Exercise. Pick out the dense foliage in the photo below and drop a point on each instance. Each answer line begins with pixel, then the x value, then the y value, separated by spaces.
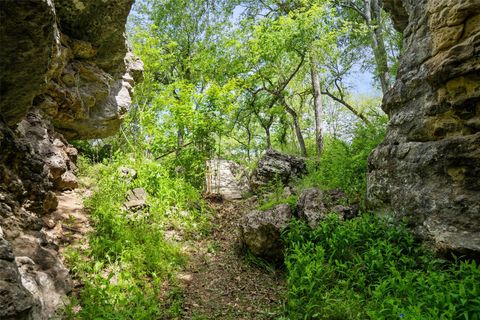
pixel 129 260
pixel 229 79
pixel 343 164
pixel 370 268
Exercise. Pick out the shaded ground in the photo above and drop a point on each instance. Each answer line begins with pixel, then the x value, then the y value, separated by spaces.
pixel 220 283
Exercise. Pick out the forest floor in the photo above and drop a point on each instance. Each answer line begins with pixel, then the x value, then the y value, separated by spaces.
pixel 218 282
pixel 221 283
pixel 69 224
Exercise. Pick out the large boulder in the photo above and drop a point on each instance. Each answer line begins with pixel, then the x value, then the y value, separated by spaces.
pixel 274 166
pixel 260 231
pixel 227 179
pixel 314 205
pixel 427 169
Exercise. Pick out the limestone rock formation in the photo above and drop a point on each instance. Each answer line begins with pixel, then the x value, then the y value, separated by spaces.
pixel 314 205
pixel 227 179
pixel 136 199
pixel 16 302
pixel 65 73
pixel 274 165
pixel 52 147
pixel 260 231
pixel 69 60
pixel 428 167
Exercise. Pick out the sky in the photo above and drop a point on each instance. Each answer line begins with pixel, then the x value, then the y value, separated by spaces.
pixel 361 83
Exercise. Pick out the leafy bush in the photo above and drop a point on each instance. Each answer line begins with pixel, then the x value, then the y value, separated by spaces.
pixel 368 268
pixel 273 195
pixel 344 164
pixel 129 258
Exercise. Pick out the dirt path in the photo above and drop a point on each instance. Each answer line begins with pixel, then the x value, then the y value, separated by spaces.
pixel 69 223
pixel 219 283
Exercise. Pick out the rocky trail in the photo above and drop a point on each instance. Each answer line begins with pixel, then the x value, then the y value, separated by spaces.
pixel 219 282
pixel 69 223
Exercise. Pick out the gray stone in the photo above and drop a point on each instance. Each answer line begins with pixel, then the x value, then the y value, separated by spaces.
pixel 274 166
pixel 314 205
pixel 68 181
pixel 59 155
pixel 65 68
pixel 136 199
pixel 127 173
pixel 427 169
pixel 260 231
pixel 16 302
pixel 72 62
pixel 227 179
pixel 27 33
pixel 42 274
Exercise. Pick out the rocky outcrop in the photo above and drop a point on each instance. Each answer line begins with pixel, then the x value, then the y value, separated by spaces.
pixel 275 166
pixel 65 73
pixel 314 205
pixel 56 152
pixel 428 167
pixel 16 301
pixel 68 60
pixel 227 179
pixel 260 231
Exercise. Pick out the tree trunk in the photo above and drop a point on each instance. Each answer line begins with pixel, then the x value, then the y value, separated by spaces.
pixel 373 16
pixel 249 141
pixel 269 140
pixel 296 125
pixel 317 103
pixel 179 141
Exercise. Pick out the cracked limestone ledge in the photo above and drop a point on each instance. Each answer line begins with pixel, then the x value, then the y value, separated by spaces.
pixel 66 72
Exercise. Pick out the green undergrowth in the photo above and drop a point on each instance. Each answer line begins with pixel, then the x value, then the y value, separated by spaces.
pixel 370 268
pixel 274 194
pixel 343 164
pixel 128 270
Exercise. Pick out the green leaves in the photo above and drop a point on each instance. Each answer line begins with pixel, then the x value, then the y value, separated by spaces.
pixel 129 257
pixel 368 268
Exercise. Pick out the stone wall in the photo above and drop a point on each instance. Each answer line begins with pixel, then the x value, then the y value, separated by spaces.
pixel 66 72
pixel 428 167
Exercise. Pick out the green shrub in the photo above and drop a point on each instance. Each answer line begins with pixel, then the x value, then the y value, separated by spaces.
pixel 273 195
pixel 369 268
pixel 128 257
pixel 343 164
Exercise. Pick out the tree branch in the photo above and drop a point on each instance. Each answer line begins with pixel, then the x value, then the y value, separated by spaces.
pixel 173 150
pixel 346 104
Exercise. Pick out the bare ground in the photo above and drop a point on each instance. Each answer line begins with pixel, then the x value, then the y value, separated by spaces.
pixel 69 223
pixel 220 283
